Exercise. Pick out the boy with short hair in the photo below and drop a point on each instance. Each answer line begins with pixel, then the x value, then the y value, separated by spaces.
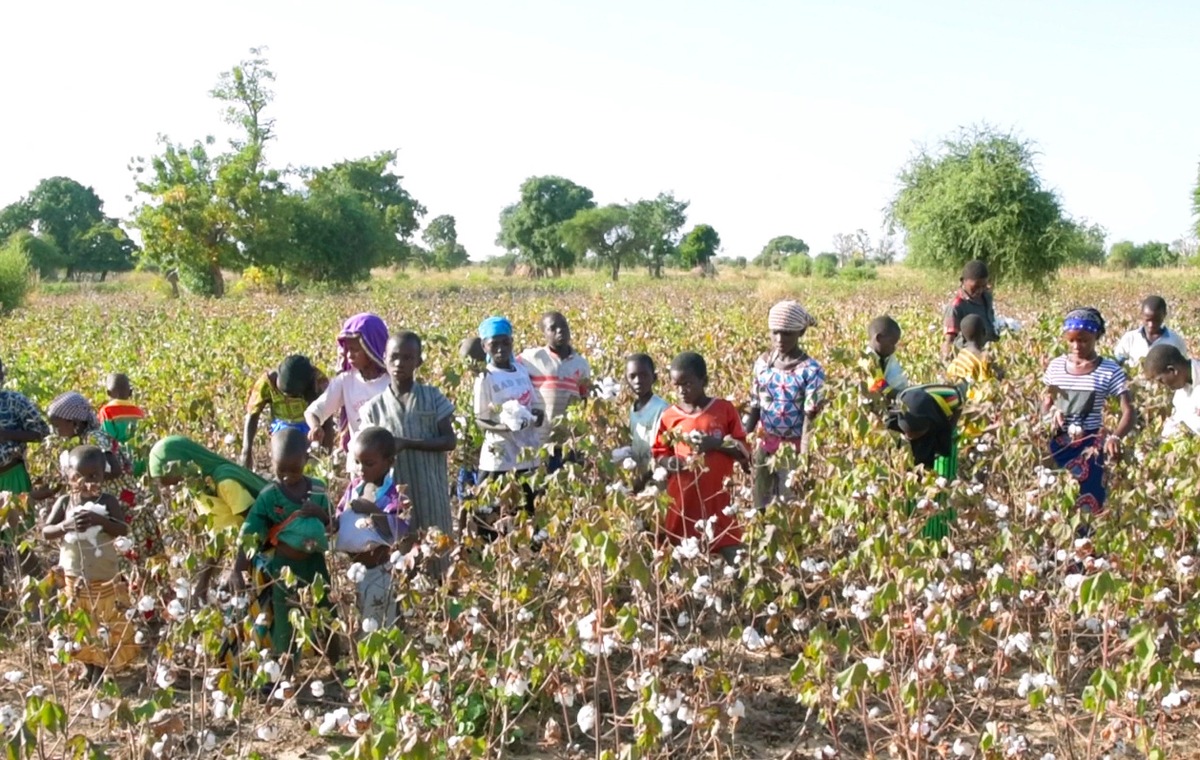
pixel 1136 344
pixel 883 334
pixel 119 418
pixel 648 407
pixel 973 363
pixel 1166 365
pixel 973 297
pixel 560 376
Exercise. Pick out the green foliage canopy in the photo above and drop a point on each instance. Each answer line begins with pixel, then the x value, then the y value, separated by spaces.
pixel 699 246
pixel 531 226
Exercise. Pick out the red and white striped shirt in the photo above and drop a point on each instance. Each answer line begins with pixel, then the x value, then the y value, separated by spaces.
pixel 557 381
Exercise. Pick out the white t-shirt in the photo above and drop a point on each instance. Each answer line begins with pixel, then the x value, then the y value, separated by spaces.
pixel 348 391
pixel 1133 346
pixel 1185 411
pixel 508 450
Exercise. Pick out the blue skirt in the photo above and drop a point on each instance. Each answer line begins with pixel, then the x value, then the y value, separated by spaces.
pixel 1084 459
pixel 278 424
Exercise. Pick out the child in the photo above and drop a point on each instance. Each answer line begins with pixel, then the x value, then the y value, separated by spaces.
pixel 287 391
pixel 422 421
pixel 1077 385
pixel 72 417
pixel 1166 365
pixel 560 377
pixel 786 395
pixel 119 418
pixel 648 407
pixel 90 569
pixel 887 375
pixel 362 377
pixel 505 411
pixel 1135 344
pixel 471 349
pixel 973 363
pixel 973 297
pixel 373 496
pixel 21 423
pixel 288 524
pixel 707 429
pixel 927 416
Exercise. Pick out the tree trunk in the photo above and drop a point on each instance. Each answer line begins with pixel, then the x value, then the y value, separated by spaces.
pixel 218 280
pixel 616 269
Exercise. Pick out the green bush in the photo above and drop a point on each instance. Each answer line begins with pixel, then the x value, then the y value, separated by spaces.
pixel 858 273
pixel 825 265
pixel 16 276
pixel 798 265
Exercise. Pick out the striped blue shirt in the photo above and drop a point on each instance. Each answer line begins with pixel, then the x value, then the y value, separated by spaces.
pixel 1081 397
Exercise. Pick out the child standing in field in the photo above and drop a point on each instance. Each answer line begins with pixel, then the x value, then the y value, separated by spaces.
pixel 288 523
pixel 370 523
pixel 560 377
pixel 506 411
pixel 287 392
pixel 88 521
pixel 699 441
pixel 786 395
pixel 647 410
pixel 973 363
pixel 883 335
pixel 974 296
pixel 1135 344
pixel 422 421
pixel 119 418
pixel 362 377
pixel 1077 387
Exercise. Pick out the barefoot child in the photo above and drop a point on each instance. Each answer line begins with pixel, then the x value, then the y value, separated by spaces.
pixel 560 377
pixel 647 410
pixel 888 378
pixel 288 524
pixel 973 363
pixel 699 441
pixel 287 392
pixel 1166 365
pixel 362 377
pixel 87 521
pixel 1135 344
pixel 973 297
pixel 422 421
pixel 786 395
pixel 370 524
pixel 1077 386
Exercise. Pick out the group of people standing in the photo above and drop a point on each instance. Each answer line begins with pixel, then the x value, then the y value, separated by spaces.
pixel 397 431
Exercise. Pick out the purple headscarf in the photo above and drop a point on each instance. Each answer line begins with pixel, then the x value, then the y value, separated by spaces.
pixel 371 332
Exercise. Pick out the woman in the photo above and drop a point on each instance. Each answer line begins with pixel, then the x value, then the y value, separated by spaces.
pixel 21 423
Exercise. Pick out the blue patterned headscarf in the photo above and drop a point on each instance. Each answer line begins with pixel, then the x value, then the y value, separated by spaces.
pixel 1086 319
pixel 493 326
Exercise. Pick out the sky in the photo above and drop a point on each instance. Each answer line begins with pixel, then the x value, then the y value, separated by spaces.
pixel 771 118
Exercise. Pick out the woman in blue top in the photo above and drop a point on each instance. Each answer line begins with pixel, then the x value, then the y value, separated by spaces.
pixel 1077 385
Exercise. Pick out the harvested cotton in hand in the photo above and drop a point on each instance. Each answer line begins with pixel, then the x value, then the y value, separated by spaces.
pixel 514 416
pixel 92 534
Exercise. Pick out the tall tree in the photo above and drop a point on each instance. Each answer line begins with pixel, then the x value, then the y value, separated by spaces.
pixel 779 249
pixel 604 232
pixel 71 216
pixel 656 223
pixel 1125 256
pixel 441 235
pixel 531 226
pixel 699 246
pixel 1084 245
pixel 979 196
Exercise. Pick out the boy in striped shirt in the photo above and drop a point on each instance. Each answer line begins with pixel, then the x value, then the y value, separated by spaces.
pixel 560 377
pixel 973 363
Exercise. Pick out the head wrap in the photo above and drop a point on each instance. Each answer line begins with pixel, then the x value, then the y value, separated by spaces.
pixel 296 376
pixel 177 449
pixel 493 326
pixel 370 331
pixel 789 316
pixel 72 406
pixel 1086 319
pixel 930 412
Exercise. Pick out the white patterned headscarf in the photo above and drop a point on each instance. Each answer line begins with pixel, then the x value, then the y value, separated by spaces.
pixel 789 316
pixel 72 406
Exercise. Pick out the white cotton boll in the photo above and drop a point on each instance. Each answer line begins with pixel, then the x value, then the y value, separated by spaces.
pixel 565 696
pixel 369 625
pixel 586 626
pixel 1177 698
pixel 356 572
pixel 230 439
pixel 516 686
pixel 660 474
pixel 220 710
pixel 621 453
pixel 1185 565
pixel 751 639
pixel 586 718
pixel 685 619
pixel 982 683
pixel 629 464
pixel 146 604
pixel 1162 595
pixel 158 748
pixel 695 656
pixel 267 732
pixel 14 676
pixel 272 670
pixel 208 741
pixel 176 609
pixel 524 615
pixel 363 523
pixel 737 709
pixel 961 748
pixel 689 548
pixel 875 665
pixel 1073 581
pixel 101 710
pixel 122 544
pixel 329 724
pixel 164 677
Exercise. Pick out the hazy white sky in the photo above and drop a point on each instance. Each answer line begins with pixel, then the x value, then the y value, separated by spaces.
pixel 772 118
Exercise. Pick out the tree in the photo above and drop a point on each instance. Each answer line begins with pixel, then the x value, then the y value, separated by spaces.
pixel 604 232
pixel 530 227
pixel 885 250
pixel 1084 244
pixel 15 280
pixel 71 218
pixel 337 236
pixel 1186 248
pixel 39 250
pixel 441 236
pixel 980 197
pixel 656 224
pixel 699 246
pixel 778 250
pixel 1125 256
